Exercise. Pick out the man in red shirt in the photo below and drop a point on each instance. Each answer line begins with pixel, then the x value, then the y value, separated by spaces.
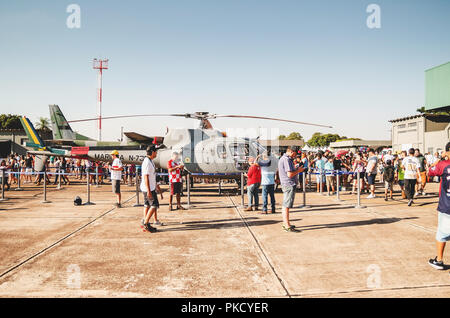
pixel 175 168
pixel 441 168
pixel 253 183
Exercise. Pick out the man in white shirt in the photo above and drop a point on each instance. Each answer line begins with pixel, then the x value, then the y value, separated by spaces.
pixel 388 156
pixel 116 175
pixel 411 166
pixel 371 171
pixel 149 187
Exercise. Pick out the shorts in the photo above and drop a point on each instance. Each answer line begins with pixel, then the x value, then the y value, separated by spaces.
pixel 443 229
pixel 401 183
pixel 423 175
pixel 28 171
pixel 115 186
pixel 153 202
pixel 371 178
pixel 389 185
pixel 176 188
pixel 329 180
pixel 288 196
pixel 318 176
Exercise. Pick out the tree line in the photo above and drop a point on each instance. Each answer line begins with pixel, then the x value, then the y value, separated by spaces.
pixel 318 139
pixel 9 121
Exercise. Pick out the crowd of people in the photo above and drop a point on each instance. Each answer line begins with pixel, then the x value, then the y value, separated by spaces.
pixel 409 170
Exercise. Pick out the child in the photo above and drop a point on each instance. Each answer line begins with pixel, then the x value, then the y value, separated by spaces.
pixel 329 167
pixel 389 176
pixel 400 177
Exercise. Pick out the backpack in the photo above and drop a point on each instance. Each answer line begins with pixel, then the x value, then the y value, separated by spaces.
pixel 77 201
pixel 389 173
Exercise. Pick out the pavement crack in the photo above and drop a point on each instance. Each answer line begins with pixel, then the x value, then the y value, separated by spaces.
pixel 261 250
pixel 59 240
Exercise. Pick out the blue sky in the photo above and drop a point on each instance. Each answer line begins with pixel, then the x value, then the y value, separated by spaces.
pixel 312 61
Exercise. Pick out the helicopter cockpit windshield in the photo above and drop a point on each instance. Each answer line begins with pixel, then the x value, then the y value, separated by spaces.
pixel 240 151
pixel 259 149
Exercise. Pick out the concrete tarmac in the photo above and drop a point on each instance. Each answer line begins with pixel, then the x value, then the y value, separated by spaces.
pixel 215 249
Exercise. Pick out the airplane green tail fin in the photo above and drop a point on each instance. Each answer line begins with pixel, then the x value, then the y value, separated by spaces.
pixel 61 128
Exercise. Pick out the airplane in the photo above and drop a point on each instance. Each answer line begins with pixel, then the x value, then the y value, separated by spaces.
pixel 203 150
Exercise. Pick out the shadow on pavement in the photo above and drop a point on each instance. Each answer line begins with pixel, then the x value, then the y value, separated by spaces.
pixel 353 223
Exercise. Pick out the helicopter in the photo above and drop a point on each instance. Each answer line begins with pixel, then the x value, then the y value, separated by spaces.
pixel 203 150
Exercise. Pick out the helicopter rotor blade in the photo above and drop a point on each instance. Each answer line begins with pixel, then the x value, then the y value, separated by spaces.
pixel 269 118
pixel 200 116
pixel 129 116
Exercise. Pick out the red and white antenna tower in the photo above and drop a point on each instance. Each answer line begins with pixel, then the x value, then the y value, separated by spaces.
pixel 100 65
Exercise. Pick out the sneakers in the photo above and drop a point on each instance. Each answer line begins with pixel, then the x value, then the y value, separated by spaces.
pixel 118 205
pixel 416 194
pixel 435 264
pixel 290 229
pixel 157 223
pixel 150 228
pixel 249 209
pixel 410 202
pixel 371 196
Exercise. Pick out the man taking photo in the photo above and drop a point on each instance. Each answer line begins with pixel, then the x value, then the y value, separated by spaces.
pixel 288 178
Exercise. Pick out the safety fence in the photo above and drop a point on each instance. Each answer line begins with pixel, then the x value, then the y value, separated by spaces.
pixel 95 173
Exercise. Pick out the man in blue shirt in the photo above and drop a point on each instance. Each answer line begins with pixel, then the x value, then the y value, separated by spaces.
pixel 268 172
pixel 289 178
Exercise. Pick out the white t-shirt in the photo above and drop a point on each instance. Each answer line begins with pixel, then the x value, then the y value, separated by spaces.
pixel 411 165
pixel 148 168
pixel 116 175
pixel 388 157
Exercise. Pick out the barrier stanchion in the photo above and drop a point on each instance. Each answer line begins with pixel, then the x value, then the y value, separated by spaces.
pixel 309 178
pixel 188 180
pixel 96 178
pixel 358 199
pixel 321 182
pixel 88 188
pixel 242 190
pixel 303 206
pixel 59 178
pixel 3 186
pixel 45 187
pixel 137 192
pixel 18 181
pixel 328 184
pixel 337 186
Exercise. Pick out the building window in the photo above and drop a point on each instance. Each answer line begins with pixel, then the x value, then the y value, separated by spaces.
pixel 401 126
pixel 412 124
pixel 406 131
